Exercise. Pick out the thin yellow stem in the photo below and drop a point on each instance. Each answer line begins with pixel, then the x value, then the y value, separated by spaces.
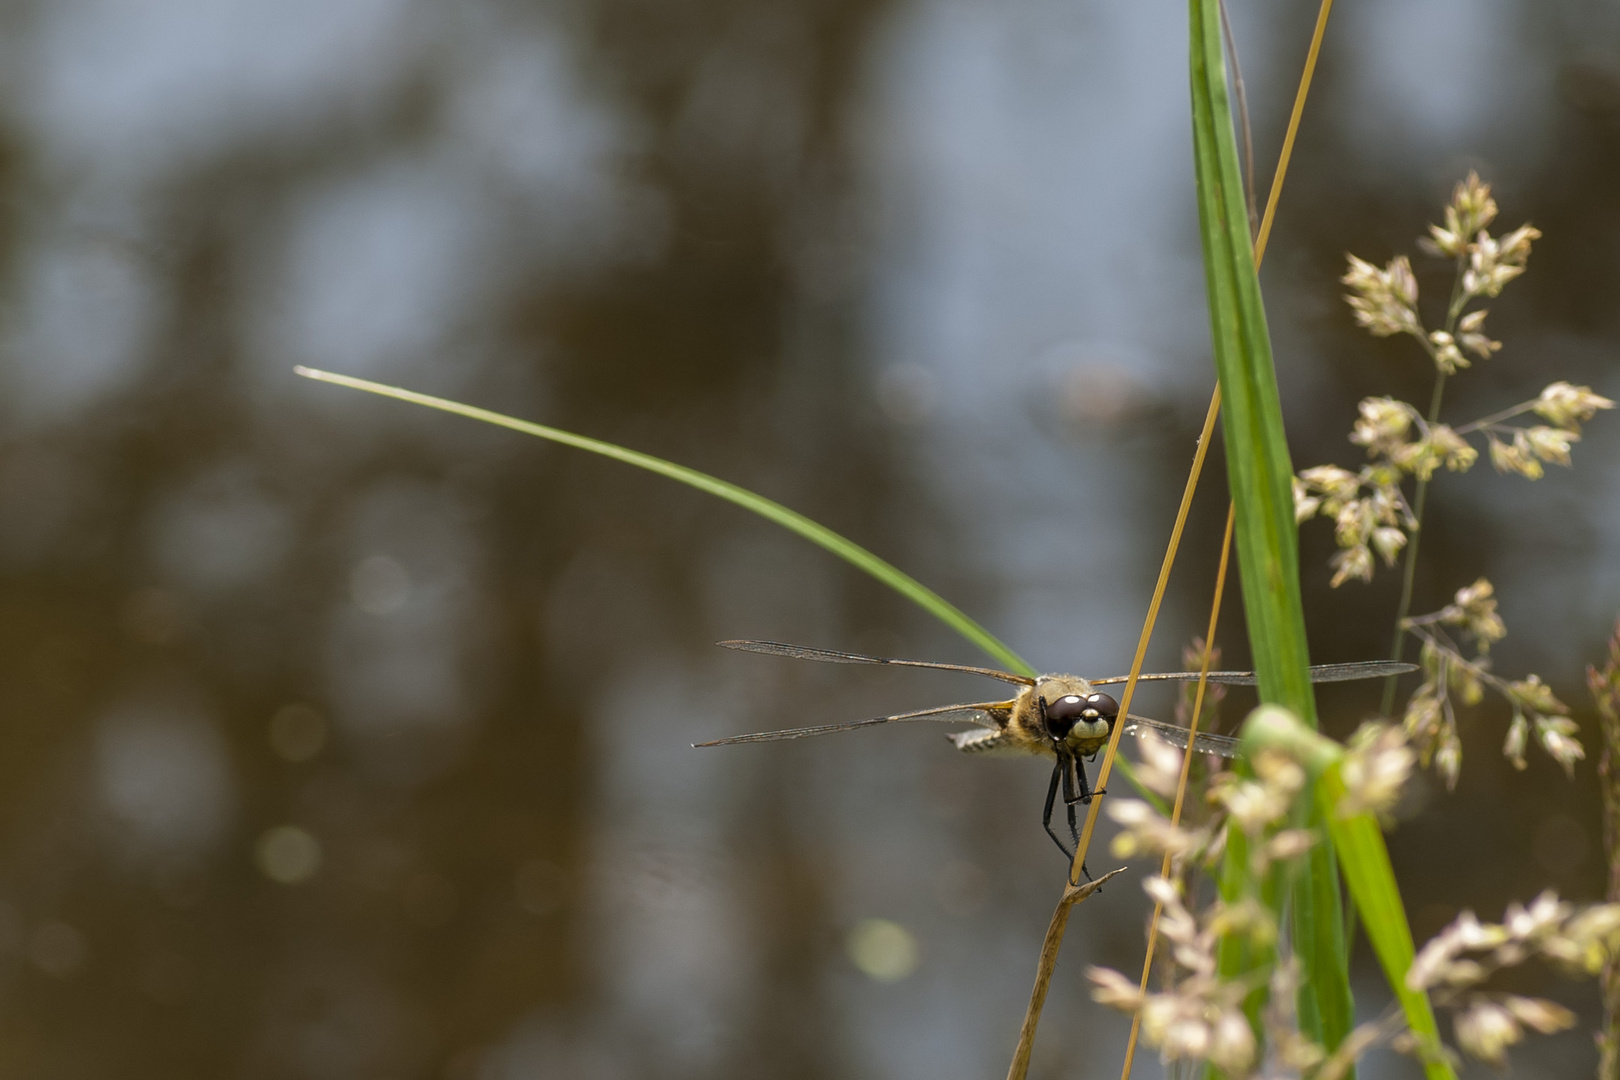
pixel 1220 578
pixel 1060 917
pixel 1147 631
pixel 1293 131
pixel 1186 771
pixel 1026 1035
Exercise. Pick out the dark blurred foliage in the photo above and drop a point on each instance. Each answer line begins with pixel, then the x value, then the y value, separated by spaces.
pixel 349 740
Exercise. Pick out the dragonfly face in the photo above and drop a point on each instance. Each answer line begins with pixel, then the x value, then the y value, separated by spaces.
pixel 1081 722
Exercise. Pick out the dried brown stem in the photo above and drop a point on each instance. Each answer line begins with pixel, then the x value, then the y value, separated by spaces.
pixel 1605 686
pixel 1072 895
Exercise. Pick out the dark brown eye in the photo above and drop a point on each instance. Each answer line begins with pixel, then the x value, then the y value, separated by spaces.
pixel 1069 707
pixel 1106 706
pixel 1062 714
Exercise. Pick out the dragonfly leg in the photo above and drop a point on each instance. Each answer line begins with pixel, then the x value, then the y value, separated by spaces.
pixel 1058 773
pixel 1071 769
pixel 1085 793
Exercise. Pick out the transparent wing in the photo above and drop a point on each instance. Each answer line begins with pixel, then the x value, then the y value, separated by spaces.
pixel 975 712
pixel 832 656
pixel 1176 735
pixel 1365 669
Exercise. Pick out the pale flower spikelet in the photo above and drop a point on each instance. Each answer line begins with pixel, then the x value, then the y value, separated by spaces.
pixel 1567 406
pixel 1430 719
pixel 1197 1014
pixel 1455 964
pixel 1384 300
pixel 1376 766
pixel 1373 520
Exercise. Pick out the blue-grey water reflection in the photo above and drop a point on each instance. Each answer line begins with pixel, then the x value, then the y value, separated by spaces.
pixel 350 740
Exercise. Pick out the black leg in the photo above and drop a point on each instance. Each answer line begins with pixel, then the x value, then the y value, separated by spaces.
pixel 1085 788
pixel 1059 772
pixel 1072 768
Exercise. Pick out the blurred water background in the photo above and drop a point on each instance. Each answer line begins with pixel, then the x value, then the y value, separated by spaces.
pixel 345 739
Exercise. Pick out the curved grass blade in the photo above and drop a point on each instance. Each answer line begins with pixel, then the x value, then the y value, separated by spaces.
pixel 817 534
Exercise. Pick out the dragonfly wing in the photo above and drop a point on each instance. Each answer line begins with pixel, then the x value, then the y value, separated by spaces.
pixel 1365 669
pixel 983 713
pixel 1176 735
pixel 833 656
pixel 1321 673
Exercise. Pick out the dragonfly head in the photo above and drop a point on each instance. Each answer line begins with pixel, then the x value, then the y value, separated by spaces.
pixel 1080 718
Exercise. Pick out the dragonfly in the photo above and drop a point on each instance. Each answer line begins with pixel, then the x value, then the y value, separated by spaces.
pixel 1063 717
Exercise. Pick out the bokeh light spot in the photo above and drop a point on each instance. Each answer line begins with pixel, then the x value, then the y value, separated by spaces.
pixel 883 949
pixel 288 855
pixel 164 775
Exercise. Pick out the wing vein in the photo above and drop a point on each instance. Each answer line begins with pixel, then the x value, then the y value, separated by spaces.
pixel 941 713
pixel 1204 743
pixel 833 656
pixel 1321 673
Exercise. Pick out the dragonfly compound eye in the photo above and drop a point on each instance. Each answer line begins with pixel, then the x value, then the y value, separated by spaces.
pixel 1062 714
pixel 1106 706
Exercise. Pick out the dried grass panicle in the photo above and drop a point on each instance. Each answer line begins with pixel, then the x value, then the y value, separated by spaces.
pixel 1377 763
pixel 1384 300
pixel 1375 520
pixel 1144 829
pixel 1579 939
pixel 1192 659
pixel 1198 1014
pixel 1399 439
pixel 1430 717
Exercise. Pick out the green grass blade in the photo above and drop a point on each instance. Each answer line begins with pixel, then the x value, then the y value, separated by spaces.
pixel 1260 475
pixel 820 535
pixel 1259 467
pixel 845 549
pixel 1362 853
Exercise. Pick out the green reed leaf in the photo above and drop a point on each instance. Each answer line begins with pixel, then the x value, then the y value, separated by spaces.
pixel 1260 474
pixel 817 534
